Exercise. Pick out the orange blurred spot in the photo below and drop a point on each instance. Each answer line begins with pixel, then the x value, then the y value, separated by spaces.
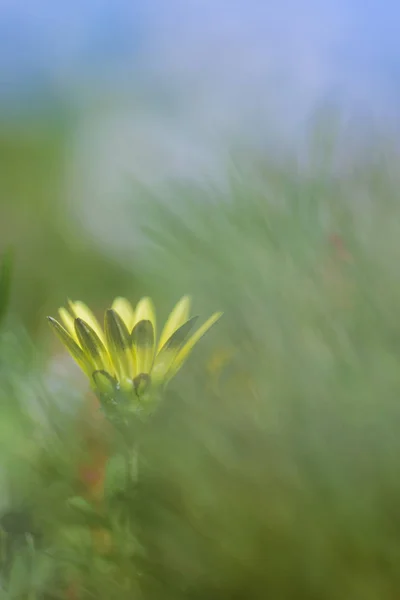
pixel 94 433
pixel 338 244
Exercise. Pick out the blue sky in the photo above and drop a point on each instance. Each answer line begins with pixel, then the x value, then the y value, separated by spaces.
pixel 227 55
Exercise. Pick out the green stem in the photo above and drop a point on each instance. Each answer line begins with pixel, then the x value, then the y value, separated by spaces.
pixel 132 465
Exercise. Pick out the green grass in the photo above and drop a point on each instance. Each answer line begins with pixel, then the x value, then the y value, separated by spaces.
pixel 281 480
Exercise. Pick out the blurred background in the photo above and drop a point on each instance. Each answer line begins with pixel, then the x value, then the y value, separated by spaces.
pixel 245 152
pixel 104 104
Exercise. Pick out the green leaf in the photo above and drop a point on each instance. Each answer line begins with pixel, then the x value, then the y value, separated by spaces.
pixel 42 571
pixel 18 582
pixel 85 513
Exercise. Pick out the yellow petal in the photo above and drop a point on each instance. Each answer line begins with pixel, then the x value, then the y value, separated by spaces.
pixel 75 351
pixel 177 317
pixel 192 341
pixel 145 312
pixel 125 310
pixel 168 352
pixel 143 345
pixel 68 321
pixel 119 344
pixel 81 311
pixel 92 345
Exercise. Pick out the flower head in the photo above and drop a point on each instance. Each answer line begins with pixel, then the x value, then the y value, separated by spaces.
pixel 126 354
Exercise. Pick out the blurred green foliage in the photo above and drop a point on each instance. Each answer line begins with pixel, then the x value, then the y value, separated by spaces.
pixel 54 258
pixel 5 283
pixel 277 477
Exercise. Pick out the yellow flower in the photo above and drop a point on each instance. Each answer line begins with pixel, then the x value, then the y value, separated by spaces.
pixel 126 354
